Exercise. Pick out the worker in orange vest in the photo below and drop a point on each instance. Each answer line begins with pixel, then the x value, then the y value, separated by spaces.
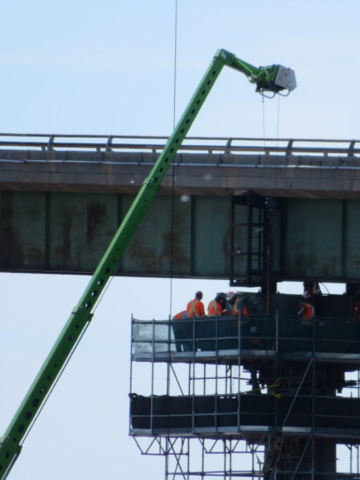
pixel 239 308
pixel 306 310
pixel 195 308
pixel 313 289
pixel 356 307
pixel 236 305
pixel 216 307
pixel 182 332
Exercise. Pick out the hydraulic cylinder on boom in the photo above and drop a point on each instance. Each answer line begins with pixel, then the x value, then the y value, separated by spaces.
pixel 273 79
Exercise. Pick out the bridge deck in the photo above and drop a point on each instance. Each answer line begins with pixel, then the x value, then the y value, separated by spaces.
pixel 302 168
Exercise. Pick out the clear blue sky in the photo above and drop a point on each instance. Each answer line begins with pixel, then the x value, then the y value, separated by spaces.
pixel 107 67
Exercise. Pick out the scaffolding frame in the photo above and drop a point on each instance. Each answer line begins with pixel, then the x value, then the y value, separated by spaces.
pixel 279 451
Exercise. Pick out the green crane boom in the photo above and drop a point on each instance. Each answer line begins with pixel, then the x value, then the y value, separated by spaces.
pixel 267 79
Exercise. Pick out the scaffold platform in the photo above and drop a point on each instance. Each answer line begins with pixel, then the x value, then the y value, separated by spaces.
pixel 226 340
pixel 282 389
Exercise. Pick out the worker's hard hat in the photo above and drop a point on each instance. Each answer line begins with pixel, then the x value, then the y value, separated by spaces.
pixel 230 295
pixel 199 294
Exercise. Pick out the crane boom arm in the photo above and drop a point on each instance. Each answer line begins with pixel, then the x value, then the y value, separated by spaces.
pixel 10 443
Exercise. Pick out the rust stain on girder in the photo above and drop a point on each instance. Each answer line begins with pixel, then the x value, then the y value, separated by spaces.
pixel 66 238
pixel 174 250
pixel 149 260
pixel 35 257
pixel 95 217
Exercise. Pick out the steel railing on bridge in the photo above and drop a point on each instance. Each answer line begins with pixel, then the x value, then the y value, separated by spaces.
pixel 154 144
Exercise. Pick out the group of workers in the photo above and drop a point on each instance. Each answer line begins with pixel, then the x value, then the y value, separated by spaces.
pixel 229 304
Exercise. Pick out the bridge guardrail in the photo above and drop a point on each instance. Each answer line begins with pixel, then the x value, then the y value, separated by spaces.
pixel 154 144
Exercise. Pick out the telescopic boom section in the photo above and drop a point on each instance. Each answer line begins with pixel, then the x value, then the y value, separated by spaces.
pixel 10 443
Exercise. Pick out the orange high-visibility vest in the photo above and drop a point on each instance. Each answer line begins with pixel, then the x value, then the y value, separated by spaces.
pixel 308 313
pixel 195 308
pixel 235 310
pixel 180 316
pixel 215 308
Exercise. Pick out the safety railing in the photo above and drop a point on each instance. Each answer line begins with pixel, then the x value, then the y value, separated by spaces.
pixel 267 333
pixel 251 412
pixel 154 144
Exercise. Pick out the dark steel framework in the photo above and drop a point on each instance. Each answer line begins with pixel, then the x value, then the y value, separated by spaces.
pixel 256 231
pixel 269 397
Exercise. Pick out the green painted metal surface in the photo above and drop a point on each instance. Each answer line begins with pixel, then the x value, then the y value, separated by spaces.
pixel 10 443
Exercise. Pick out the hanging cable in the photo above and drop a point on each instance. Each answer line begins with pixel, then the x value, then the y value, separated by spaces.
pixel 172 234
pixel 55 383
pixel 82 333
pixel 323 284
pixel 277 140
pixel 278 122
pixel 175 66
pixel 172 208
pixel 263 114
pixel 173 167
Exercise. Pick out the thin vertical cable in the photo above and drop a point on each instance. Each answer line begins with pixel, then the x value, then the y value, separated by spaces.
pixel 172 234
pixel 175 66
pixel 173 166
pixel 263 113
pixel 278 122
pixel 277 140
